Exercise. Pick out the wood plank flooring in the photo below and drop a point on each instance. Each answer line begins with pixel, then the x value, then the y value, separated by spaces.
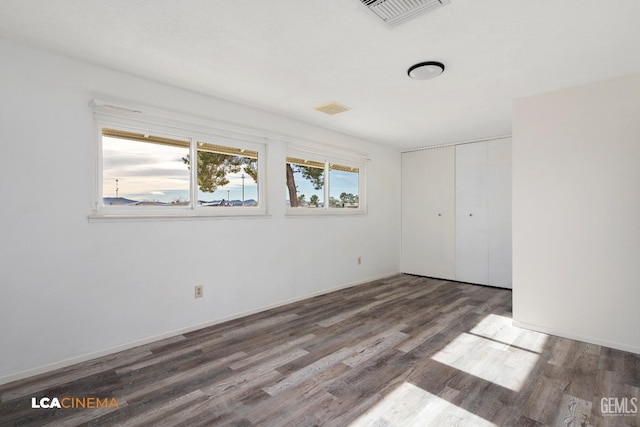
pixel 403 351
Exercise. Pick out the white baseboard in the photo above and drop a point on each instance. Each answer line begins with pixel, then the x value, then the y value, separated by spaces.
pixel 126 346
pixel 590 340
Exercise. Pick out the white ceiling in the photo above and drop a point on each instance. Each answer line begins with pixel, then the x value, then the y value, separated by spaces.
pixel 290 55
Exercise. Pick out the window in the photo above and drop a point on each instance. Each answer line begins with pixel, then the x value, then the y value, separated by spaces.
pixel 322 186
pixel 144 169
pixel 227 169
pixel 344 190
pixel 147 170
pixel 305 183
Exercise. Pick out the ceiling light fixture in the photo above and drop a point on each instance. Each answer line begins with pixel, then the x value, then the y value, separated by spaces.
pixel 426 70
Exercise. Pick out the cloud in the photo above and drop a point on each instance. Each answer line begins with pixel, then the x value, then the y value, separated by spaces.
pixel 148 171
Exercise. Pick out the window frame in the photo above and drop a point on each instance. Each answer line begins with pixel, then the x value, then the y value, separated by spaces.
pixel 329 159
pixel 135 121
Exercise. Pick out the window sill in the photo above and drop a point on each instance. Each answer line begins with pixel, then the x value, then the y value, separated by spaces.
pixel 180 216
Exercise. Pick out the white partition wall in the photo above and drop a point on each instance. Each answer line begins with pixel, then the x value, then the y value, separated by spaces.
pixel 576 212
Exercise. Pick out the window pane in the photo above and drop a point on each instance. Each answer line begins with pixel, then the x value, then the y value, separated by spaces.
pixel 227 176
pixel 343 186
pixel 305 183
pixel 144 170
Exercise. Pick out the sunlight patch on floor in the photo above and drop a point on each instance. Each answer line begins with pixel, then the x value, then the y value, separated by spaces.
pixel 409 405
pixel 495 351
pixel 500 328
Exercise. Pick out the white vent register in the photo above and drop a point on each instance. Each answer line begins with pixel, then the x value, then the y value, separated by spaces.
pixel 395 12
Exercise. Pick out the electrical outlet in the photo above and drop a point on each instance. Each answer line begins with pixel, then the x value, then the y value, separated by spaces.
pixel 198 291
pixel 359 260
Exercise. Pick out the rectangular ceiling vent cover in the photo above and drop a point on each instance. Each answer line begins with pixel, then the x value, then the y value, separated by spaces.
pixel 395 12
pixel 332 108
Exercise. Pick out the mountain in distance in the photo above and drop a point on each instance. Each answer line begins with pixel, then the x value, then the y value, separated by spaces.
pixel 117 201
pixel 248 202
pixel 122 201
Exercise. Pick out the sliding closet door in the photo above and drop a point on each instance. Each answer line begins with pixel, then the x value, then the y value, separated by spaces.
pixel 472 227
pixel 456 213
pixel 428 213
pixel 499 159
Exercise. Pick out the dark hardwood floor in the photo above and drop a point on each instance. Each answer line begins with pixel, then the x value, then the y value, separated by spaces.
pixel 401 351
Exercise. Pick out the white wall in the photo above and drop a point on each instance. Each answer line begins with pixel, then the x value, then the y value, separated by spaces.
pixel 576 213
pixel 72 288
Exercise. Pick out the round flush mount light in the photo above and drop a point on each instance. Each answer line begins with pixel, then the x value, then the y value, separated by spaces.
pixel 426 70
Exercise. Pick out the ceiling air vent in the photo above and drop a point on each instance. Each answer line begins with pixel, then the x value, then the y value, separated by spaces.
pixel 395 12
pixel 332 108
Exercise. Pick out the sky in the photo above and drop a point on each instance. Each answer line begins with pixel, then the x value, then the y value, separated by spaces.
pixel 154 172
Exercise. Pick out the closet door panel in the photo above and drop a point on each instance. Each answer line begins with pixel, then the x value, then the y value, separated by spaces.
pixel 499 160
pixel 472 240
pixel 414 230
pixel 428 213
